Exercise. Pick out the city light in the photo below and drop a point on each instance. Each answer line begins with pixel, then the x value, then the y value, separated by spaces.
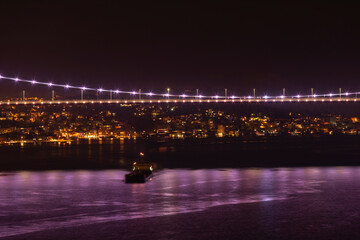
pixel 273 129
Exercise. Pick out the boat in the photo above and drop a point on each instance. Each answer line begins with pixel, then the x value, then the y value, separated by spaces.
pixel 141 172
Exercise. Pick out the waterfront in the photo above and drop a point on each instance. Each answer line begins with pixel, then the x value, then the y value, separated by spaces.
pixel 62 123
pixel 282 203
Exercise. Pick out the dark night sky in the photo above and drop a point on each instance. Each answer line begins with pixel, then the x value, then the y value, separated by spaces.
pixel 182 45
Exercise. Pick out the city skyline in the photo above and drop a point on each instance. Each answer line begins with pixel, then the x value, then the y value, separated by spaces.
pixel 63 123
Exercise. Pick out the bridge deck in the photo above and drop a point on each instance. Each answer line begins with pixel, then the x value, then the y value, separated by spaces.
pixel 138 101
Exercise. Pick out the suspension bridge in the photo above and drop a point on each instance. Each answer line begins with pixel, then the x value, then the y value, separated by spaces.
pixel 137 97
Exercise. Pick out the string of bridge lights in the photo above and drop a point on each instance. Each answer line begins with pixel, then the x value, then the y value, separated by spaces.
pixel 117 91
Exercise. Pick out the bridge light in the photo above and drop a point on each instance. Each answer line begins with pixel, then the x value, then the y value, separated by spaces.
pixel 1 76
pixel 167 93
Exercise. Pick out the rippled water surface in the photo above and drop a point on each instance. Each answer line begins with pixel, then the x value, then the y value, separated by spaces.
pixel 36 201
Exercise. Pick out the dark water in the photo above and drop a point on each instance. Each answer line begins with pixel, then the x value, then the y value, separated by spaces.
pixel 225 153
pixel 45 204
pixel 197 192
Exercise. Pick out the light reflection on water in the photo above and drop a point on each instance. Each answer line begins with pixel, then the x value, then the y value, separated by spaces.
pixel 35 201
